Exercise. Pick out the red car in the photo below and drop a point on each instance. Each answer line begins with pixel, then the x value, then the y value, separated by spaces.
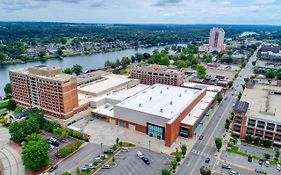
pixel 56 154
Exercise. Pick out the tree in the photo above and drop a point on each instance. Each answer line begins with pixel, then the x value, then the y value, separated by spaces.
pixel 180 64
pixel 35 154
pixel 218 142
pixel 267 143
pixel 205 171
pixel 178 157
pixel 139 57
pixel 19 109
pixel 125 61
pixel 165 171
pixel 133 59
pixel 77 69
pixel 174 164
pixel 67 71
pixel 107 64
pixel 146 56
pixel 165 61
pixel 257 140
pixel 248 139
pixel 239 95
pixel 8 89
pixel 117 63
pixel 277 154
pixel 270 73
pixel 60 52
pixel 11 105
pixel 220 98
pixel 278 76
pixel 183 149
pixel 66 173
pixel 42 53
pixel 267 156
pixel 201 72
pixel 227 124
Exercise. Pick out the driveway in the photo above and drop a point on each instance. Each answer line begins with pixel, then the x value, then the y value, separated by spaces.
pixel 128 163
pixel 10 157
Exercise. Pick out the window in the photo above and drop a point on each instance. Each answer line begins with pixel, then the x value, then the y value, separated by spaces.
pixel 155 131
pixel 184 132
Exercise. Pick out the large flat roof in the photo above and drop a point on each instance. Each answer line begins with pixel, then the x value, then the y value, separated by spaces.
pixel 203 86
pixel 161 100
pixel 264 102
pixel 192 117
pixel 109 82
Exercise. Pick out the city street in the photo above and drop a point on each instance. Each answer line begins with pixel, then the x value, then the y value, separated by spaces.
pixel 215 128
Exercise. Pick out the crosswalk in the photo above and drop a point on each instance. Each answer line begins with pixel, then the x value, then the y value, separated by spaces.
pixel 200 153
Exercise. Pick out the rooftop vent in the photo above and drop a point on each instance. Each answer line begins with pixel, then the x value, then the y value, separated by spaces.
pixel 167 87
pixel 139 105
pixel 150 98
pixel 171 102
pixel 180 95
pixel 185 91
pixel 161 110
pixel 161 92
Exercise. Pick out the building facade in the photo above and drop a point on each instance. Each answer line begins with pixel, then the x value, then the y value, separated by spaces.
pixel 216 40
pixel 152 74
pixel 47 88
pixel 259 116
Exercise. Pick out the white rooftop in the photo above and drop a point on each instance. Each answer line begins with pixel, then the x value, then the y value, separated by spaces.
pixel 107 83
pixel 192 117
pixel 203 86
pixel 162 100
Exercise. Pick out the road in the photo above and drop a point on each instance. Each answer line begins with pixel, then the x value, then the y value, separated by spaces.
pixel 10 158
pixel 215 128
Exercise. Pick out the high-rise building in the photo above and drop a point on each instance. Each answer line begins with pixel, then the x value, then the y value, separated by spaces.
pixel 152 74
pixel 45 87
pixel 216 40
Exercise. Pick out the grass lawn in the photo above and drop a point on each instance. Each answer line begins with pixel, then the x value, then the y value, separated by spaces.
pixel 3 104
pixel 128 144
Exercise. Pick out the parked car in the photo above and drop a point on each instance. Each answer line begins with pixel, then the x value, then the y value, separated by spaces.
pixel 225 166
pixel 85 169
pixel 106 166
pixel 140 155
pixel 109 151
pixel 91 166
pixel 146 160
pixel 98 159
pixel 51 146
pixel 250 158
pixel 233 172
pixel 207 160
pixel 266 163
pixel 54 143
pixel 278 167
pixel 201 137
pixel 125 149
pixel 53 168
pixel 56 154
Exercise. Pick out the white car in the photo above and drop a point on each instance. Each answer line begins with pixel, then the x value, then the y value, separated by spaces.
pixel 51 146
pixel 233 172
pixel 278 167
pixel 125 149
pixel 266 163
pixel 140 155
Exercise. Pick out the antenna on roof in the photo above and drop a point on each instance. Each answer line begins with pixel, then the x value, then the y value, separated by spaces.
pixel 140 105
pixel 161 110
pixel 171 102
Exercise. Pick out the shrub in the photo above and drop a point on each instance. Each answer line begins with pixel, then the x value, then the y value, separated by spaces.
pixel 174 164
pixel 165 172
pixel 267 156
pixel 3 120
pixel 178 157
pixel 68 149
pixel 248 139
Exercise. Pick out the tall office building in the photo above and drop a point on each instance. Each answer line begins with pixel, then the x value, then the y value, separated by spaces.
pixel 216 40
pixel 45 87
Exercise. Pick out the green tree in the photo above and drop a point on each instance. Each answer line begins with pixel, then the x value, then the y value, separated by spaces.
pixel 270 73
pixel 218 142
pixel 67 71
pixel 220 98
pixel 227 124
pixel 180 64
pixel 165 171
pixel 165 61
pixel 125 61
pixel 2 56
pixel 248 139
pixel 267 143
pixel 107 64
pixel 146 56
pixel 178 157
pixel 183 149
pixel 278 76
pixel 19 109
pixel 66 173
pixel 11 105
pixel 267 156
pixel 42 53
pixel 277 154
pixel 35 154
pixel 8 89
pixel 77 69
pixel 133 59
pixel 117 63
pixel 201 72
pixel 239 95
pixel 174 164
pixel 257 140
pixel 60 52
pixel 139 57
pixel 205 171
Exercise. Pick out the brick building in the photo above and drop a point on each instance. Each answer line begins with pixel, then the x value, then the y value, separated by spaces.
pixel 258 114
pixel 45 87
pixel 152 74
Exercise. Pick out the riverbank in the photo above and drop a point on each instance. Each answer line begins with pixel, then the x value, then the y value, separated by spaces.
pixel 64 55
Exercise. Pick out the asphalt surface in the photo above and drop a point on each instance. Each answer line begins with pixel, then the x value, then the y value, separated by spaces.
pixel 10 158
pixel 215 128
pixel 128 163
pixel 81 158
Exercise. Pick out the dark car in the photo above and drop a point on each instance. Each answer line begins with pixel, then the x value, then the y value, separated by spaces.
pixel 146 160
pixel 53 168
pixel 207 160
pixel 54 143
pixel 201 137
pixel 109 151
pixel 250 159
pixel 225 166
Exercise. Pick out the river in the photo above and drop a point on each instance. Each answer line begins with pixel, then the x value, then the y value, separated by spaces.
pixel 86 61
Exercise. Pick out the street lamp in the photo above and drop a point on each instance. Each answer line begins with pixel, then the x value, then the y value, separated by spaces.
pixel 149 145
pixel 101 148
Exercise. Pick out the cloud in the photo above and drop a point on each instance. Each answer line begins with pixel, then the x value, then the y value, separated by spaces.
pixel 167 2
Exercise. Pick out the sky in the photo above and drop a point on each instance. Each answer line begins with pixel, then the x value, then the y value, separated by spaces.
pixel 144 11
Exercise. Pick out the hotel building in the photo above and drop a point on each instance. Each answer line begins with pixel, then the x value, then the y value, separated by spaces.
pixel 45 87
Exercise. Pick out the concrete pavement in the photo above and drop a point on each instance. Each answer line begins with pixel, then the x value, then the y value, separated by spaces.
pixel 10 157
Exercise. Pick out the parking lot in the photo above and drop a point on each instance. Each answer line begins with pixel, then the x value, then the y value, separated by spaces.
pixel 81 158
pixel 129 163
